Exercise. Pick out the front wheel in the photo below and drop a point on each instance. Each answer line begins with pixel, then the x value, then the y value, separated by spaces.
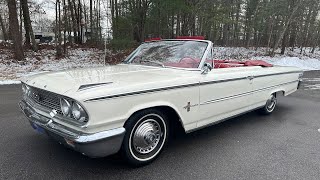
pixel 147 133
pixel 270 105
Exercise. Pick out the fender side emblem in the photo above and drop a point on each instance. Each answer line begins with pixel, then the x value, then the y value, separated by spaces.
pixel 187 107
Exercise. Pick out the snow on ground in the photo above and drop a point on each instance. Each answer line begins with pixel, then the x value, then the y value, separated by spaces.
pixel 306 60
pixel 306 64
pixel 44 60
pixel 4 82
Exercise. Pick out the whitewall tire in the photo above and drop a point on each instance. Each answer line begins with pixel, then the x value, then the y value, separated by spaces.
pixel 270 105
pixel 146 135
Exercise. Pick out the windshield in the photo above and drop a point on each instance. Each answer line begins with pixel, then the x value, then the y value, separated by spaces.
pixel 183 54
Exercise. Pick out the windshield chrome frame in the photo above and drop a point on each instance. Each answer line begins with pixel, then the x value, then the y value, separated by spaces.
pixel 202 61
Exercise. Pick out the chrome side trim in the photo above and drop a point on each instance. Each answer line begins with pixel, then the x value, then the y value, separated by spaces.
pixel 244 94
pixel 222 81
pixel 274 74
pixel 142 92
pixel 181 86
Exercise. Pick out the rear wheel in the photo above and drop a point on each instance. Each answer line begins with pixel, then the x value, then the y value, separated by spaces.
pixel 270 105
pixel 146 135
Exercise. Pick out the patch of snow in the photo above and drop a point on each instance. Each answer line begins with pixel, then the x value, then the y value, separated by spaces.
pixel 45 60
pixel 304 60
pixel 6 82
pixel 305 64
pixel 33 73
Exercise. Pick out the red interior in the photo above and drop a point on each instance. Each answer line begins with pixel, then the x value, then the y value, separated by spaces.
pixel 186 62
pixel 153 39
pixel 194 63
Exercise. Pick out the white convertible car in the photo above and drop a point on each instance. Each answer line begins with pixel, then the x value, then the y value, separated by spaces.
pixel 130 107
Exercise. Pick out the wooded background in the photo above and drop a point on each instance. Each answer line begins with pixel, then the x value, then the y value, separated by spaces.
pixel 123 23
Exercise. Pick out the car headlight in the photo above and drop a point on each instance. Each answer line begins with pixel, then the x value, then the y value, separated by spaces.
pixel 78 112
pixel 65 107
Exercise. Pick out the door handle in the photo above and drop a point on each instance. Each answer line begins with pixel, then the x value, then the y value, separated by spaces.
pixel 250 77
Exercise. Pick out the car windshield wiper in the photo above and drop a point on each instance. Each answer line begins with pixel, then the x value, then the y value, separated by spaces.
pixel 154 62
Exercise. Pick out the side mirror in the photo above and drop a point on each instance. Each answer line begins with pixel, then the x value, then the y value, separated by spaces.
pixel 206 68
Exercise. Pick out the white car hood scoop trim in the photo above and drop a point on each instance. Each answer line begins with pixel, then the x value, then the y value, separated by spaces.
pixel 94 85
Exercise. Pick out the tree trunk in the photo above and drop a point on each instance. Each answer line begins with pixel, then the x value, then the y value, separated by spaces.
pixel 178 25
pixel 14 28
pixel 91 21
pixel 28 26
pixel 77 22
pixel 113 22
pixel 284 43
pixel 80 19
pixel 236 24
pixel 74 23
pixel 4 31
pixel 305 30
pixel 58 22
pixel 21 22
pixel 315 42
pixel 225 35
pixel 64 28
pixel 250 24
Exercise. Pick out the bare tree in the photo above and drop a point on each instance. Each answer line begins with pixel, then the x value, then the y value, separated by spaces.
pixel 14 27
pixel 28 26
pixel 4 31
pixel 58 29
pixel 91 20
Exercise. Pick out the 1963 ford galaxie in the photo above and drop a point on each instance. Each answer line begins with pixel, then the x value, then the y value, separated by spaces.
pixel 130 107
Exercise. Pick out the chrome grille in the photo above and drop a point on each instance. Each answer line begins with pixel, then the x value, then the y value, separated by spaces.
pixel 46 99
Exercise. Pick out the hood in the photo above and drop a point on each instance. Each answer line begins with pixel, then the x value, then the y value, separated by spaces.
pixel 109 79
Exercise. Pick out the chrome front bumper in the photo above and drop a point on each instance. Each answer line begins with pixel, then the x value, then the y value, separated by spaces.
pixel 99 144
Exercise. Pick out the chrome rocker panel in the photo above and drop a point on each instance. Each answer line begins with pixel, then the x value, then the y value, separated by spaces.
pixel 99 144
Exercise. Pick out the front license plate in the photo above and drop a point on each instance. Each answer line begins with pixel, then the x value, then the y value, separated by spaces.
pixel 38 128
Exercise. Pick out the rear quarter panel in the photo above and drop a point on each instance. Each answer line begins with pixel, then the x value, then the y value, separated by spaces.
pixel 274 79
